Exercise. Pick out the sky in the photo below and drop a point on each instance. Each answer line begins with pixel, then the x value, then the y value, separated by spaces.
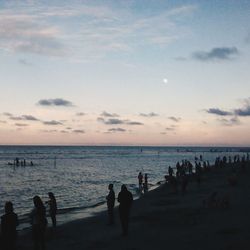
pixel 125 72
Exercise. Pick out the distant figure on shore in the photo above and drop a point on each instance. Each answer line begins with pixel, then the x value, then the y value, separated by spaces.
pixel 16 162
pixel 110 204
pixel 125 198
pixel 9 222
pixel 52 208
pixel 170 171
pixel 145 184
pixel 31 163
pixel 39 223
pixel 140 181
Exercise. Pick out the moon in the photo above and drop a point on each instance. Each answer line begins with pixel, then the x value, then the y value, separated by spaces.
pixel 165 80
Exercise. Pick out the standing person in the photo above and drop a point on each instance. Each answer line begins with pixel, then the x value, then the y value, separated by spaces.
pixel 111 203
pixel 9 222
pixel 140 181
pixel 125 199
pixel 52 208
pixel 39 223
pixel 145 184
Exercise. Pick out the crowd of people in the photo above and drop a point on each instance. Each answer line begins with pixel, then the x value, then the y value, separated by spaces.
pixel 20 162
pixel 185 170
pixel 179 176
pixel 38 220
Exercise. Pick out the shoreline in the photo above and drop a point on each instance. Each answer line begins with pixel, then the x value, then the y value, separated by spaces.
pixel 160 218
pixel 67 215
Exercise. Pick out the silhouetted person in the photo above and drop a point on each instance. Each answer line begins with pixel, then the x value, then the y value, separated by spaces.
pixel 52 208
pixel 9 222
pixel 17 161
pixel 145 184
pixel 170 171
pixel 125 199
pixel 39 223
pixel 140 181
pixel 110 204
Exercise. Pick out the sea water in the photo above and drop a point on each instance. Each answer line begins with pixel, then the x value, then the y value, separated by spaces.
pixel 79 175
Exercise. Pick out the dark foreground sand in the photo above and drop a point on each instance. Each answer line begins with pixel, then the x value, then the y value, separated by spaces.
pixel 164 220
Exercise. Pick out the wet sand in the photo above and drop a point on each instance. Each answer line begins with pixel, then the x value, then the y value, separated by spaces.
pixel 162 219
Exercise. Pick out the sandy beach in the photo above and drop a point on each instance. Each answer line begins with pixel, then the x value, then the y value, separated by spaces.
pixel 161 219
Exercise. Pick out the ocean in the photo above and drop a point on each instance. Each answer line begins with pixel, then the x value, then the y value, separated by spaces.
pixel 79 175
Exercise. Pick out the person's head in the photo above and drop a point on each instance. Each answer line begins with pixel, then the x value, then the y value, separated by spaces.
pixel 51 195
pixel 8 207
pixel 37 202
pixel 110 186
pixel 123 187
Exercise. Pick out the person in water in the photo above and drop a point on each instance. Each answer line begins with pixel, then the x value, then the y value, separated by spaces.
pixel 110 204
pixel 39 223
pixel 125 198
pixel 52 208
pixel 9 222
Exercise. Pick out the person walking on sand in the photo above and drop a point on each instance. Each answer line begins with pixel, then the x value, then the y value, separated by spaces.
pixel 110 204
pixel 125 198
pixel 39 223
pixel 9 222
pixel 52 208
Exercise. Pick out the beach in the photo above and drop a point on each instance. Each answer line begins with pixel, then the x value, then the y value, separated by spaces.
pixel 162 219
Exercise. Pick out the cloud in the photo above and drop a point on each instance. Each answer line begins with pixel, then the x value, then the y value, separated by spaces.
pixel 55 102
pixel 53 122
pixel 218 111
pixel 229 122
pixel 174 119
pixel 115 121
pixel 78 131
pixel 21 124
pixel 64 131
pixel 170 128
pixel 80 114
pixel 152 114
pixel 106 114
pixel 113 130
pixel 7 114
pixel 245 110
pixel 23 118
pixel 26 32
pixel 99 28
pixel 118 34
pixel 134 123
pixel 221 53
pixel 111 121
